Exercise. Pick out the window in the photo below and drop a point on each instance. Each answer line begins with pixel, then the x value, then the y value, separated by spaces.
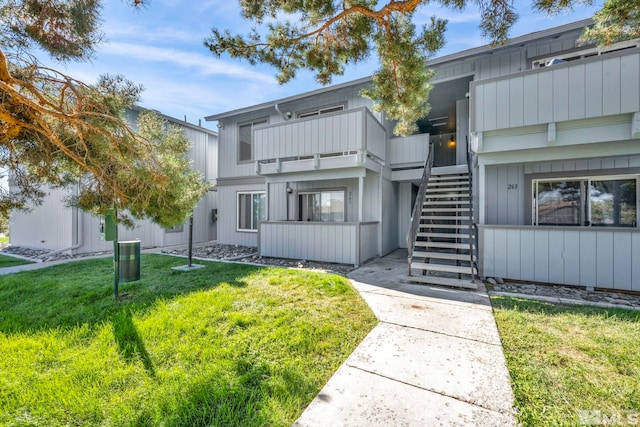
pixel 245 140
pixel 325 206
pixel 597 201
pixel 320 111
pixel 251 210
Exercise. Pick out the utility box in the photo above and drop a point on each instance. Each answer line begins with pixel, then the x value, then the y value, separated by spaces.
pixel 108 227
pixel 129 261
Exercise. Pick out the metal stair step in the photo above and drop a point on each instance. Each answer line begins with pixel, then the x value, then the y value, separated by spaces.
pixel 449 226
pixel 464 189
pixel 446 202
pixel 444 235
pixel 441 255
pixel 449 196
pixel 442 267
pixel 444 281
pixel 447 183
pixel 424 244
pixel 451 177
pixel 446 209
pixel 451 218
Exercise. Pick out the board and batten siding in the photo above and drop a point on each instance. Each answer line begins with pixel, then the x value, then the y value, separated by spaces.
pixel 413 149
pixel 507 188
pixel 598 86
pixel 228 132
pixel 48 226
pixel 339 242
pixel 389 216
pixel 591 257
pixel 227 217
pixel 505 195
pixel 329 133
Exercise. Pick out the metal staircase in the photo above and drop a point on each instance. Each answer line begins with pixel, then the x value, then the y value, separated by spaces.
pixel 443 241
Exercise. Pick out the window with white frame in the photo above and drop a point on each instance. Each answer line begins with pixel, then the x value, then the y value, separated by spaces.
pixel 245 140
pixel 251 210
pixel 607 201
pixel 320 111
pixel 325 206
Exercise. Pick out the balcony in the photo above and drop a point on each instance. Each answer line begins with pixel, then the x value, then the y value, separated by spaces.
pixel 344 139
pixel 598 86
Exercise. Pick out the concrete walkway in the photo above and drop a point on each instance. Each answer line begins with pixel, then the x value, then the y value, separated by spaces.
pixel 435 359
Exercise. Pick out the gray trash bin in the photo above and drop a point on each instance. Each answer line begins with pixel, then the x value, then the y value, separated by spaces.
pixel 129 260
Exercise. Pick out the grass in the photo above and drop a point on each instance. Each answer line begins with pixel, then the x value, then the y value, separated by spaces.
pixel 224 345
pixel 564 360
pixel 7 261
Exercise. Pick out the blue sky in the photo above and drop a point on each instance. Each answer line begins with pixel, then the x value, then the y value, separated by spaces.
pixel 161 47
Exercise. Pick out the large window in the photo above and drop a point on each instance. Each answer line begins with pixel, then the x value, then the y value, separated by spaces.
pixel 327 206
pixel 251 210
pixel 245 140
pixel 596 201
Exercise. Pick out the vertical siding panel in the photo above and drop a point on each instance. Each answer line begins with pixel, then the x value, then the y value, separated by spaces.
pixel 630 76
pixel 490 105
pixel 556 262
pixel 514 253
pixel 491 199
pixel 593 78
pixel 560 94
pixel 545 97
pixel 604 259
pixel 612 87
pixel 308 132
pixel 489 248
pixel 516 102
pixel 503 108
pixel 527 255
pixel 588 258
pixel 502 195
pixel 541 255
pixel 500 258
pixel 485 69
pixel 530 94
pixel 479 108
pixel 513 207
pixel 571 256
pixel 635 266
pixel 577 91
pixel 622 260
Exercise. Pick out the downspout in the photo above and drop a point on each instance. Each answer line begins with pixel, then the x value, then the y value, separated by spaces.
pixel 79 234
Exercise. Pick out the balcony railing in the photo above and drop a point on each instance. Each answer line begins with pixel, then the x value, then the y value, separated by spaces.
pixel 335 140
pixel 598 86
pixel 339 242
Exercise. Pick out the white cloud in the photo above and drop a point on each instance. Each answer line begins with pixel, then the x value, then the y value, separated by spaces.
pixel 205 65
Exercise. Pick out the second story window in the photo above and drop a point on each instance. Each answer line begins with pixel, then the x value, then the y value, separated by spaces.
pixel 319 111
pixel 245 140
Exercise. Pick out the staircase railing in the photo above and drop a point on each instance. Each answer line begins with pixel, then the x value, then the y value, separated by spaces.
pixel 473 228
pixel 417 207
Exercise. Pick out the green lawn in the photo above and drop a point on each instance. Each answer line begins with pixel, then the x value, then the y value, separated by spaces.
pixel 7 261
pixel 224 345
pixel 564 360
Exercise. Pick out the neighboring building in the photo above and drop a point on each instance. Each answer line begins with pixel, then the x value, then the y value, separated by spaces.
pixel 53 226
pixel 552 133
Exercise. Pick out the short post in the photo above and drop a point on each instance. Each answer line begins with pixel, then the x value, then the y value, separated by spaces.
pixel 190 251
pixel 116 263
